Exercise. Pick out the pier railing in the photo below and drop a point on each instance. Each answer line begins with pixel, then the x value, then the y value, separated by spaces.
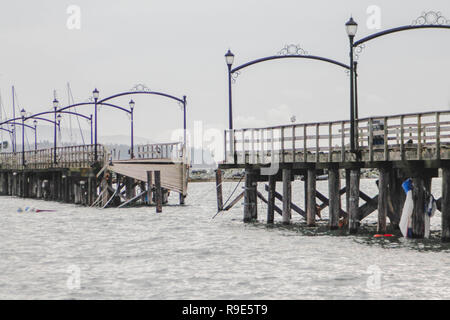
pixel 172 150
pixel 66 157
pixel 417 136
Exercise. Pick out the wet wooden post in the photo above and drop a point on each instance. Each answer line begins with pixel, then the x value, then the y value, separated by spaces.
pixel 149 187
pixel 418 215
pixel 287 196
pixel 38 187
pixel 445 205
pixel 92 187
pixel 334 197
pixel 130 188
pixel 396 198
pixel 311 208
pixel 182 197
pixel 104 188
pixel 383 192
pixel 219 190
pixel 353 198
pixel 347 189
pixel 250 197
pixel 158 194
pixel 271 199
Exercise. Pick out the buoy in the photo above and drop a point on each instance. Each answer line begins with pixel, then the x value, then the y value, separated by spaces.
pixel 383 235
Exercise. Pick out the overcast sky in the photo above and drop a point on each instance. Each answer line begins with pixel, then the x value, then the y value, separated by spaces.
pixel 178 47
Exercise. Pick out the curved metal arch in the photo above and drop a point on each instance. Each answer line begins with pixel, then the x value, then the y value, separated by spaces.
pixel 397 29
pixel 43 119
pixel 10 131
pixel 22 124
pixel 311 57
pixel 141 92
pixel 93 104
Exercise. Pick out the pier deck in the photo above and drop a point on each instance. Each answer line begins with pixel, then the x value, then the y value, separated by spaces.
pixel 402 146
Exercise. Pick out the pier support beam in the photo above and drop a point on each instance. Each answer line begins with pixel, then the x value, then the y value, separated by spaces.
pixel 158 194
pixel 219 190
pixel 271 199
pixel 445 206
pixel 334 185
pixel 250 196
pixel 353 200
pixel 311 208
pixel 383 192
pixel 149 187
pixel 418 215
pixel 130 188
pixel 287 196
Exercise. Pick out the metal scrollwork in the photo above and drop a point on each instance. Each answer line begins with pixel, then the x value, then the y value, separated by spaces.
pixel 358 50
pixel 292 49
pixel 234 76
pixel 90 99
pixel 431 18
pixel 140 87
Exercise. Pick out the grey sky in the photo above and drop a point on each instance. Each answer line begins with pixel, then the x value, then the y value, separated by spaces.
pixel 178 47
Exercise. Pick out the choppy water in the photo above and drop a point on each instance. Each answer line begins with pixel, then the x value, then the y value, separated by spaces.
pixel 182 253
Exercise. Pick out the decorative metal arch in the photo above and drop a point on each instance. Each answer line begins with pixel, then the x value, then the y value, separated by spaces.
pixel 287 52
pixel 428 20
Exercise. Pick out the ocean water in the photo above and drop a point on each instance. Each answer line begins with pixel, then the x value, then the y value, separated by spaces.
pixel 182 253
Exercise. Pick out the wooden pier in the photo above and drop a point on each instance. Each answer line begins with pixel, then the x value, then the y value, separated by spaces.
pixel 76 177
pixel 403 146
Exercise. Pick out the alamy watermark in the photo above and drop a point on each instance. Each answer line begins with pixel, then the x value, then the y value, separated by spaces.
pixel 74 19
pixel 74 279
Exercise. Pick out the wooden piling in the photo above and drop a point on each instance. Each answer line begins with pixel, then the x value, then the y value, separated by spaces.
pixel 158 191
pixel 130 188
pixel 149 187
pixel 219 190
pixel 445 205
pixel 250 197
pixel 353 200
pixel 287 196
pixel 311 208
pixel 271 199
pixel 383 192
pixel 334 187
pixel 418 215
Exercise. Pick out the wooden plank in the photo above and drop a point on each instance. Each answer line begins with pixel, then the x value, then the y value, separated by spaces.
pixel 232 203
pixel 293 206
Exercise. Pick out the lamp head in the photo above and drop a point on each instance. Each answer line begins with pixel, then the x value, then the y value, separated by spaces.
pixel 351 27
pixel 55 103
pixel 23 113
pixel 95 93
pixel 131 104
pixel 229 58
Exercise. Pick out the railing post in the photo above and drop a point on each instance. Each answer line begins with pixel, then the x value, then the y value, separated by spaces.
pixel 402 138
pixel 419 137
pixel 438 136
pixel 370 139
pixel 386 139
